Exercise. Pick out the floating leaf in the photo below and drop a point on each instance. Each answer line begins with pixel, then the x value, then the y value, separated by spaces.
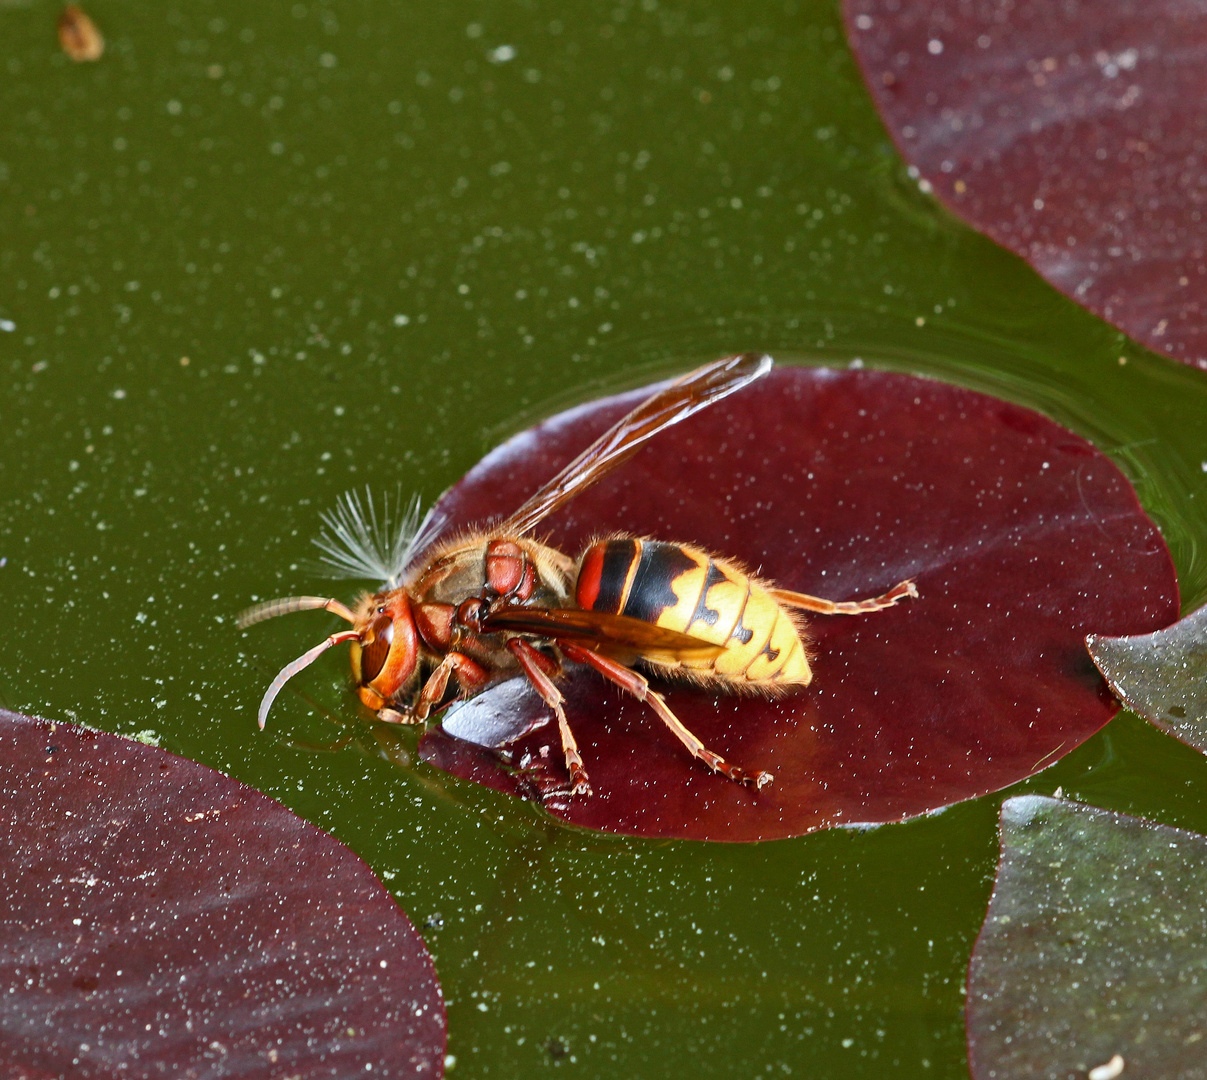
pixel 1069 133
pixel 1022 537
pixel 1161 676
pixel 158 918
pixel 1094 948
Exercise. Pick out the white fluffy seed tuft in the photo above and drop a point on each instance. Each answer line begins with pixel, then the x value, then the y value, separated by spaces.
pixel 359 541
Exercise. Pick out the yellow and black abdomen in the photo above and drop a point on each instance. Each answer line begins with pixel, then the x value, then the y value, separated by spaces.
pixel 686 589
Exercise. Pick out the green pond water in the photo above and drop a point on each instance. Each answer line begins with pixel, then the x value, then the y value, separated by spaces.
pixel 260 254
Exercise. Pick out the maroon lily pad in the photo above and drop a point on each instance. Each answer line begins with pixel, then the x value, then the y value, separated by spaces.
pixel 160 919
pixel 1161 676
pixel 1022 538
pixel 1070 133
pixel 1093 957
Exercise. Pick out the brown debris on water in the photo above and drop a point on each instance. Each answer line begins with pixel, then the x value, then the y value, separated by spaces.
pixel 79 36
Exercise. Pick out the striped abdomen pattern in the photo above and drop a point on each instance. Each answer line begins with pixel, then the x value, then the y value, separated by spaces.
pixel 686 589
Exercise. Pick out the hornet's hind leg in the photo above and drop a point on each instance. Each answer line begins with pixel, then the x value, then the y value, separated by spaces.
pixel 639 687
pixel 845 607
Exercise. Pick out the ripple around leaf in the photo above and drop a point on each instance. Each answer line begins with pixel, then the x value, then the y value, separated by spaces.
pixel 1161 676
pixel 161 919
pixel 1094 945
pixel 1070 133
pixel 1021 535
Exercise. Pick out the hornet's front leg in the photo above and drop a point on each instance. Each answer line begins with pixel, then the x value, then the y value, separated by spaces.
pixel 471 676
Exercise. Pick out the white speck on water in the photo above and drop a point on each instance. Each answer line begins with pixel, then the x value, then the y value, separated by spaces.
pixel 501 54
pixel 934 46
pixel 7 325
pixel 1108 1071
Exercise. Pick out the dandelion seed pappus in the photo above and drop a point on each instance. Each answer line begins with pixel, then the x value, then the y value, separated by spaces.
pixel 494 603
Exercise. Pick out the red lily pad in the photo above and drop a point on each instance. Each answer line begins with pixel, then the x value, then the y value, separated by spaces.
pixel 1161 676
pixel 1070 133
pixel 1093 957
pixel 160 919
pixel 1022 538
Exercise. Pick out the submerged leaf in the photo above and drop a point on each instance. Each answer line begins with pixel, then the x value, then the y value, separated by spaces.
pixel 1094 948
pixel 1070 133
pixel 160 919
pixel 1161 676
pixel 1022 538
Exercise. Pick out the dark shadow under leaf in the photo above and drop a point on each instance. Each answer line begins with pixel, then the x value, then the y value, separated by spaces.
pixel 1094 948
pixel 161 919
pixel 1022 538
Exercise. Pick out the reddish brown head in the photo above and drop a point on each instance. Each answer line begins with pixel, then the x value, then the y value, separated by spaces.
pixel 386 651
pixel 385 644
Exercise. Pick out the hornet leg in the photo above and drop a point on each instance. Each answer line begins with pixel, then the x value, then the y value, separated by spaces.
pixel 470 676
pixel 534 663
pixel 846 607
pixel 639 687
